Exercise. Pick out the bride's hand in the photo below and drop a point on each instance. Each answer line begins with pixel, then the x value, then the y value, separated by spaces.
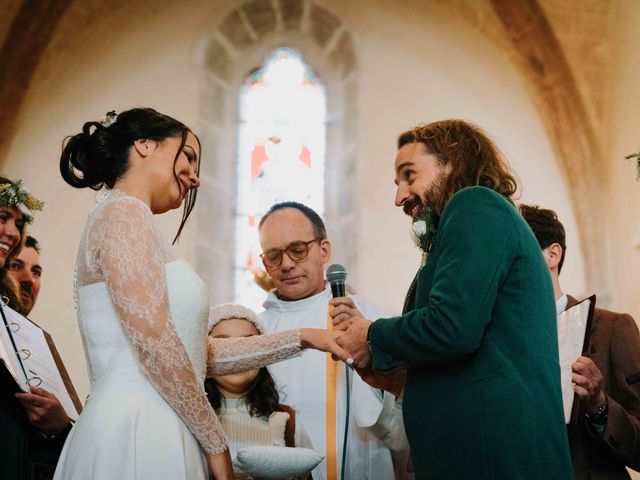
pixel 220 467
pixel 325 341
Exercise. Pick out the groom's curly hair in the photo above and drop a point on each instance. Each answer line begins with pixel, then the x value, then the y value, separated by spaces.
pixel 262 397
pixel 473 158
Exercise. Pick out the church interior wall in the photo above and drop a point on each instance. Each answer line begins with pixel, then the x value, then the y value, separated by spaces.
pixel 623 135
pixel 440 68
pixel 414 64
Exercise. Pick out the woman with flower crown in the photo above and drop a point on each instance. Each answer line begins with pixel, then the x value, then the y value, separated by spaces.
pixel 33 425
pixel 143 312
pixel 16 203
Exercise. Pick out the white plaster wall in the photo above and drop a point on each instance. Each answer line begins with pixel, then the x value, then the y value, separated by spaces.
pixel 426 65
pixel 415 65
pixel 99 70
pixel 623 207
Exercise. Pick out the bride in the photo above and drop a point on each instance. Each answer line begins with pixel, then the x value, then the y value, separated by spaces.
pixel 143 312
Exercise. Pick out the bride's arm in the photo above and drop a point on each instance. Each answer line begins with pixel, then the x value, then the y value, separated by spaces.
pixel 129 254
pixel 239 354
pixel 232 355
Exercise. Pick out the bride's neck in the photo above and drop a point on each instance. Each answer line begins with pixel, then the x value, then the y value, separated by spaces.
pixel 134 188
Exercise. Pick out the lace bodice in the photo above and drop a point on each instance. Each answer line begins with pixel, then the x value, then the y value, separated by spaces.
pixel 120 233
pixel 129 288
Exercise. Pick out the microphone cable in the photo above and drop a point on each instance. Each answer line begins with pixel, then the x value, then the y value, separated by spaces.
pixel 346 423
pixel 337 276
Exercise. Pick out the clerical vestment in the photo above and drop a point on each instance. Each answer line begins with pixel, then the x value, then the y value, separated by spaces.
pixel 373 417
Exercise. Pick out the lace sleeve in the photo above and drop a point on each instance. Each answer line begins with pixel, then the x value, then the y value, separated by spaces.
pixel 233 355
pixel 129 253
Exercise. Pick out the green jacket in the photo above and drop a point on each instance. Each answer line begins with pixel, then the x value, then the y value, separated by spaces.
pixel 482 398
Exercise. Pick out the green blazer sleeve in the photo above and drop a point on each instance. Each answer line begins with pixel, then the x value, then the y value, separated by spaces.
pixel 474 248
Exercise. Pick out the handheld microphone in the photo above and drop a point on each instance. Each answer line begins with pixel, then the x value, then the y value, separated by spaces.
pixel 337 276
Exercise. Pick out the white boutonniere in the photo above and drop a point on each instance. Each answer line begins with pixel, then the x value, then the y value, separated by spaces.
pixel 419 227
pixel 424 230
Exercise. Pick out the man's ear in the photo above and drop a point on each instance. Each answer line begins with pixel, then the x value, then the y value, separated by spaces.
pixel 553 255
pixel 325 250
pixel 143 146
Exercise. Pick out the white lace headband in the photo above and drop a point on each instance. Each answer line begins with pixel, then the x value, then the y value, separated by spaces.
pixel 232 310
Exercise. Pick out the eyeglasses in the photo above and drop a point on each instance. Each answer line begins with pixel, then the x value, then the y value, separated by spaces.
pixel 297 251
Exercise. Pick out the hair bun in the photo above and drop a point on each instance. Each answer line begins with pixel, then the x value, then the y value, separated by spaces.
pixel 88 158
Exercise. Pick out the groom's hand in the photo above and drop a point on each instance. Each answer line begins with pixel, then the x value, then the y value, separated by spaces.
pixel 390 381
pixel 354 340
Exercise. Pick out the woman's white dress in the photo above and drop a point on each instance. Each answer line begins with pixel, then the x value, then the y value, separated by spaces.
pixel 143 319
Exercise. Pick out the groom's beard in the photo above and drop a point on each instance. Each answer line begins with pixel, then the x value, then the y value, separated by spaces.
pixel 428 199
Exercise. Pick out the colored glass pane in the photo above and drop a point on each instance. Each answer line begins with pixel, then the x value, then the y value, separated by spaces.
pixel 280 156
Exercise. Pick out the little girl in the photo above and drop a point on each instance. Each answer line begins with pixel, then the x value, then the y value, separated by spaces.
pixel 248 403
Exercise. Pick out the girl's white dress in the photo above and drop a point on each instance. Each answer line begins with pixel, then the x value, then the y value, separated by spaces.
pixel 143 319
pixel 245 430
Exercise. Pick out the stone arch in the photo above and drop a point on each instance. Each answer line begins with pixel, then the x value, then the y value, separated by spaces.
pixel 28 28
pixel 33 25
pixel 225 56
pixel 572 134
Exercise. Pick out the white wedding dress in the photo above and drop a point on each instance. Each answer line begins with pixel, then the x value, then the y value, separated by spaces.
pixel 143 319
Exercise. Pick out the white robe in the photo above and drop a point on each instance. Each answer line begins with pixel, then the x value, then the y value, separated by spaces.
pixel 376 432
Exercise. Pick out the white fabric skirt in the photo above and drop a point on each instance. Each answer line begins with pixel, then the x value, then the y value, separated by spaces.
pixel 129 432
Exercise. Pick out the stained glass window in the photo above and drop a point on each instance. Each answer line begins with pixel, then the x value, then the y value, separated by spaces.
pixel 280 156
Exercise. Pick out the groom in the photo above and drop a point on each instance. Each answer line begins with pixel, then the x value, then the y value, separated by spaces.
pixel 482 397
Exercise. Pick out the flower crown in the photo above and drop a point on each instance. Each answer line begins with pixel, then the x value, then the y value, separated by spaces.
pixel 637 157
pixel 13 194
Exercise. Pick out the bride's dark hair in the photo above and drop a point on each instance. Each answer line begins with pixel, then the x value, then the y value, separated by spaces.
pixel 99 155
